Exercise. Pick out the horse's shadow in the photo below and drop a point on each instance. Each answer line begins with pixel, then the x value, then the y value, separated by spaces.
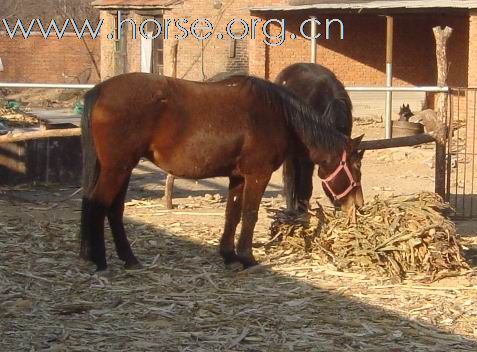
pixel 356 325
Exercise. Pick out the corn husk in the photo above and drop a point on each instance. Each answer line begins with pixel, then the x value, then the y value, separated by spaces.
pixel 396 237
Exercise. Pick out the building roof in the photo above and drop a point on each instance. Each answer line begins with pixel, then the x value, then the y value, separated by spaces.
pixel 360 5
pixel 135 4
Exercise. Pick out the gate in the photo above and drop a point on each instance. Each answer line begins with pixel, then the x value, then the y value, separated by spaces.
pixel 461 159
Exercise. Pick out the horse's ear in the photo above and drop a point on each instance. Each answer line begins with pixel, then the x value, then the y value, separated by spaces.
pixel 356 141
pixel 408 106
pixel 361 153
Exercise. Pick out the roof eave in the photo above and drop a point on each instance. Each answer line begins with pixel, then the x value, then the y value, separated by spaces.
pixel 355 8
pixel 171 5
pixel 132 7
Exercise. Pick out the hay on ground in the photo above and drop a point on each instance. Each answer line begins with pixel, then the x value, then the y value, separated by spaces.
pixel 398 237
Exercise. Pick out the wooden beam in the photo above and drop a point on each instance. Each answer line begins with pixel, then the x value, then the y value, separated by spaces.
pixel 26 136
pixel 397 142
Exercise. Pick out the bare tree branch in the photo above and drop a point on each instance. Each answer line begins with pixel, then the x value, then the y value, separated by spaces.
pixel 47 10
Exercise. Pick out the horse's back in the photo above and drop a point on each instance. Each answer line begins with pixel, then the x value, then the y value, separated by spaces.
pixel 320 88
pixel 220 126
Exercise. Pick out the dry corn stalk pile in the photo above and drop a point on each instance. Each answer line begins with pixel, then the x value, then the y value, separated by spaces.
pixel 15 119
pixel 396 237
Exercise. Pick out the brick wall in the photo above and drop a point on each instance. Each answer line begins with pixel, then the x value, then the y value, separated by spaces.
pixel 132 54
pixel 51 60
pixel 107 46
pixel 359 59
pixel 217 55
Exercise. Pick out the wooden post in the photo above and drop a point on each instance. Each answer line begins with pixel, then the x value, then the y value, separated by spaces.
pixel 175 47
pixel 170 178
pixel 168 192
pixel 441 35
pixel 313 41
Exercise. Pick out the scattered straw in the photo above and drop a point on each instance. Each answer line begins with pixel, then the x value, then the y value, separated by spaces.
pixel 186 300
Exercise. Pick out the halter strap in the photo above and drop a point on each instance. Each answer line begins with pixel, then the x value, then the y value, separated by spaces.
pixel 352 183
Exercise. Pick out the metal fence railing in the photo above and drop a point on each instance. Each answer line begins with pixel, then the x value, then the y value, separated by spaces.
pixel 461 183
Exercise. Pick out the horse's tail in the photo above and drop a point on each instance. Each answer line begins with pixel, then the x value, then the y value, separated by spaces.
pixel 90 157
pixel 298 181
pixel 91 169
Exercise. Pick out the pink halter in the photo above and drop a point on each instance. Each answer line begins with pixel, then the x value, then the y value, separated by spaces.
pixel 352 183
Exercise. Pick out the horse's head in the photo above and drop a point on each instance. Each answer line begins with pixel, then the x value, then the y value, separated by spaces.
pixel 341 175
pixel 405 113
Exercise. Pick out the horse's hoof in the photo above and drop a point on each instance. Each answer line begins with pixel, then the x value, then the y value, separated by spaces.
pixel 84 261
pixel 257 268
pixel 85 257
pixel 101 268
pixel 235 266
pixel 230 258
pixel 247 261
pixel 133 266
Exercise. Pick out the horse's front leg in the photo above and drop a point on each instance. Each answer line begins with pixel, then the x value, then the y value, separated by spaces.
pixel 252 195
pixel 232 218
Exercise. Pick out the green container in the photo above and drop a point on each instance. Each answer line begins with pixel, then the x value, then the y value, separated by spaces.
pixel 79 108
pixel 13 105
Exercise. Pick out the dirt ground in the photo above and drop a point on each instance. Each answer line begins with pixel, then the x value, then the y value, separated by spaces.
pixel 185 300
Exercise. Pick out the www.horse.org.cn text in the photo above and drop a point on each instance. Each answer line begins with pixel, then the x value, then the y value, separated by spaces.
pixel 272 32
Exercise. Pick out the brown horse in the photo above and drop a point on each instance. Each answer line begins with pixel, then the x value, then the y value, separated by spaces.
pixel 320 88
pixel 241 127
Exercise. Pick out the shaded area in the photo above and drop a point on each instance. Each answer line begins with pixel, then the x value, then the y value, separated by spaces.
pixel 56 160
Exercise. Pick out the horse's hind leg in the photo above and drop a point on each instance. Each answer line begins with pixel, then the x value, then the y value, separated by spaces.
pixel 92 232
pixel 108 186
pixel 305 182
pixel 252 196
pixel 232 218
pixel 115 218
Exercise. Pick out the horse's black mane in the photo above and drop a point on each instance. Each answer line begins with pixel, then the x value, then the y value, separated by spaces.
pixel 303 118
